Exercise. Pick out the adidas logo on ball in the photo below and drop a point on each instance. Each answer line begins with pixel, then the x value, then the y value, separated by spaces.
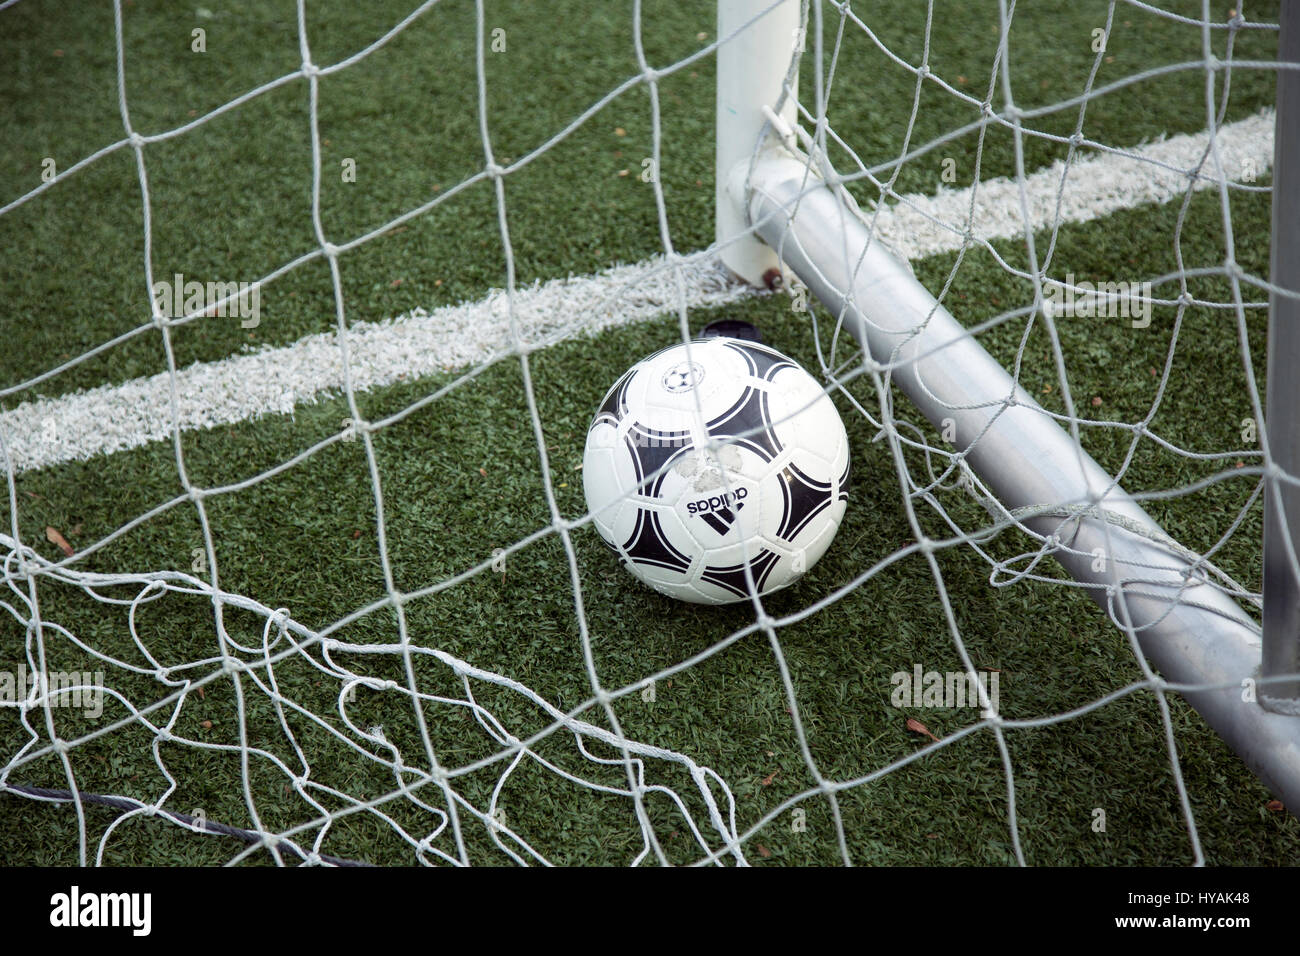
pixel 717 502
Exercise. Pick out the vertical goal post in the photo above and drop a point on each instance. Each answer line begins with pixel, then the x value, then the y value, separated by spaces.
pixel 757 42
pixel 1042 481
pixel 1281 652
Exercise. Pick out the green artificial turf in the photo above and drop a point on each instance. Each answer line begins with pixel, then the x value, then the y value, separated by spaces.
pixel 460 477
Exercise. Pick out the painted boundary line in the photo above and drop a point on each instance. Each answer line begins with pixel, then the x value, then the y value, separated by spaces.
pixel 115 418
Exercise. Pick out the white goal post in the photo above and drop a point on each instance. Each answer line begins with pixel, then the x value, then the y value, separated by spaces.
pixel 775 182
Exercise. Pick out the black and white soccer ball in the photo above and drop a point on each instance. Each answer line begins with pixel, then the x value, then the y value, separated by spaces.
pixel 685 516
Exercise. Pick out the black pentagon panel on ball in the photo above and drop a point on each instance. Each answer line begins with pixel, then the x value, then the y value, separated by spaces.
pixel 805 498
pixel 649 545
pixel 615 404
pixel 749 422
pixel 651 451
pixel 733 578
pixel 763 362
pixel 603 418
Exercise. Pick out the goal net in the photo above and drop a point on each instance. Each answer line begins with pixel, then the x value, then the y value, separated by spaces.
pixel 309 307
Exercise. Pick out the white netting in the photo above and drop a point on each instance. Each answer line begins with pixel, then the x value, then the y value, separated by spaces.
pixel 443 788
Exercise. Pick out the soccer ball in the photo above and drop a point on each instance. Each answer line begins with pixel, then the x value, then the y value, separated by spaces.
pixel 686 516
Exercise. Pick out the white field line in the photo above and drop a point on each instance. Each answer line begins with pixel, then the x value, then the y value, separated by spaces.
pixel 1098 185
pixel 114 418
